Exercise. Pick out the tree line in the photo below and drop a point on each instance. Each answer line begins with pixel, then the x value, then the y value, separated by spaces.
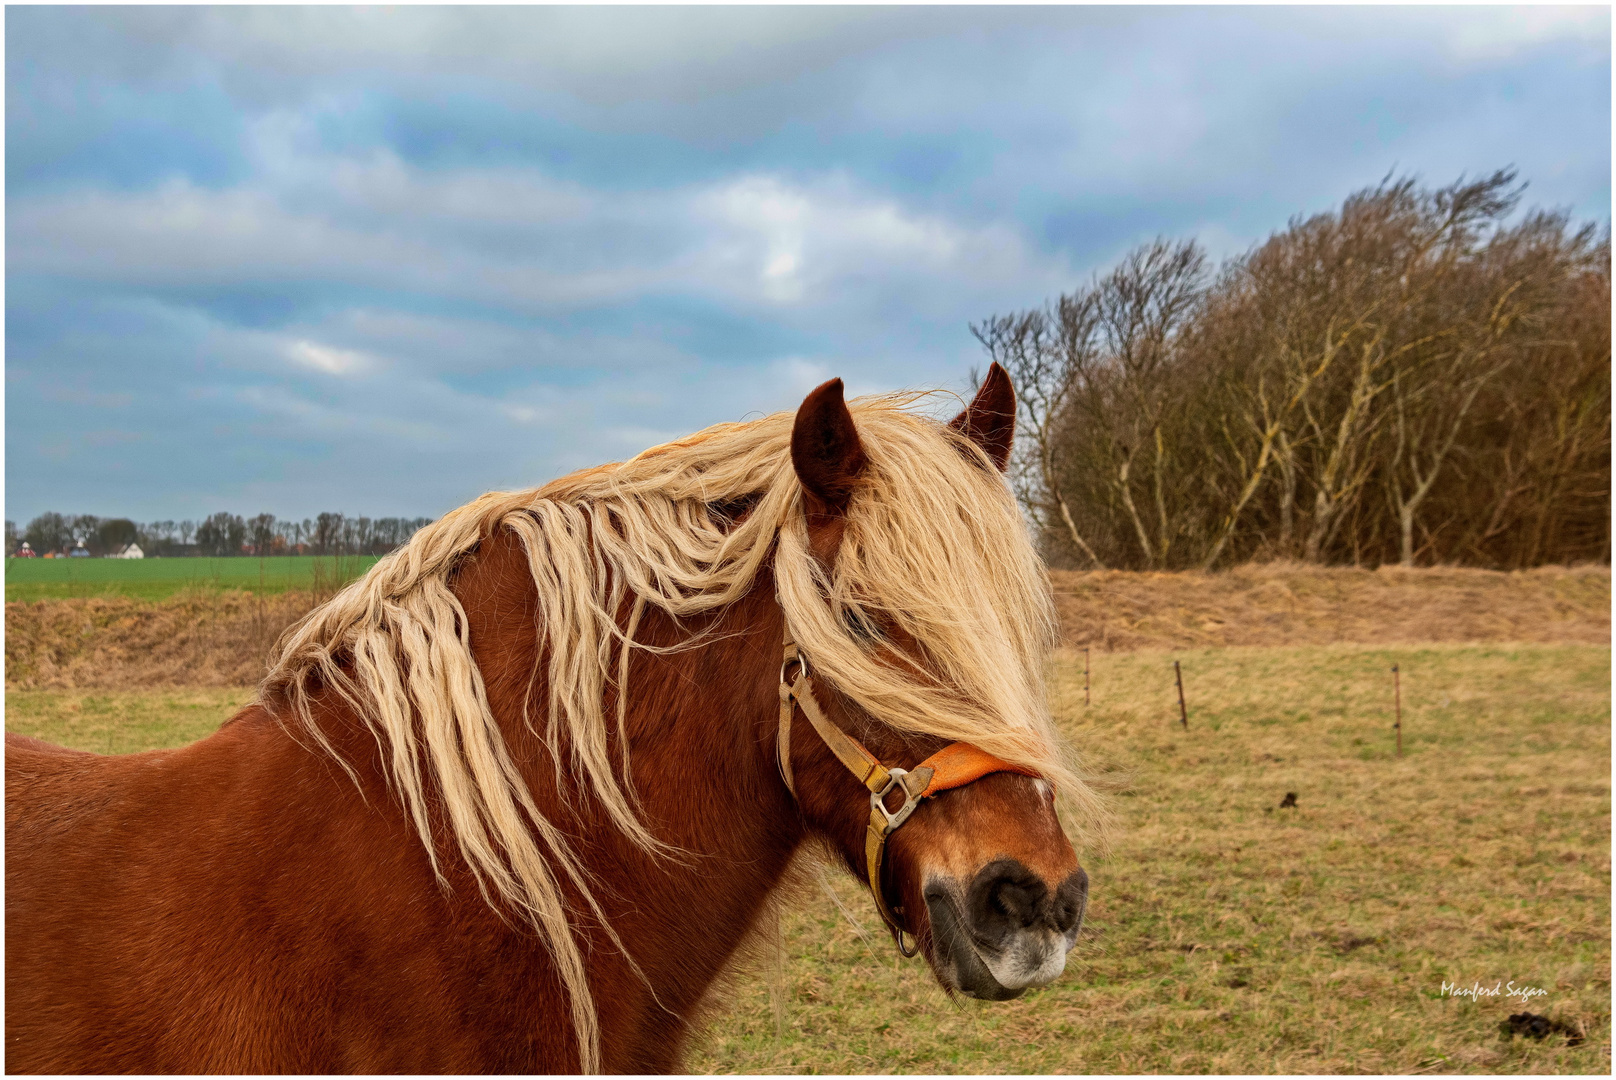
pixel 1417 377
pixel 221 534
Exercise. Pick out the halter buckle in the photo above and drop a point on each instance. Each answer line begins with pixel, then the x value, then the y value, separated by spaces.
pixel 796 658
pixel 897 817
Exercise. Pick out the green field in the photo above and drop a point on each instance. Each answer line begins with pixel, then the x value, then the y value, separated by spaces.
pixel 155 579
pixel 1224 934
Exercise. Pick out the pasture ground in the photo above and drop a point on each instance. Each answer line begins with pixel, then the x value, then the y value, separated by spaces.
pixel 1227 935
pixel 157 579
pixel 1224 934
pixel 212 633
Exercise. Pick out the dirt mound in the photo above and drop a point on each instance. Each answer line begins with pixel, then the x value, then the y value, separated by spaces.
pixel 209 638
pixel 1293 604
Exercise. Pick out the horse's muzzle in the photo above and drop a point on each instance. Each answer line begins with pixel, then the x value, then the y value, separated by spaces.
pixel 1006 930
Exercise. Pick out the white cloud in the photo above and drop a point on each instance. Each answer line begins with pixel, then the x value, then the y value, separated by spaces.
pixel 522 414
pixel 794 243
pixel 603 55
pixel 1495 33
pixel 326 358
pixel 518 239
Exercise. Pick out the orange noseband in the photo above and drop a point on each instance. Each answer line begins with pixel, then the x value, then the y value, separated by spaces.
pixel 955 765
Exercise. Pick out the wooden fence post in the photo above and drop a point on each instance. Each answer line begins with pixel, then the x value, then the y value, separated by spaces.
pixel 1397 695
pixel 1183 712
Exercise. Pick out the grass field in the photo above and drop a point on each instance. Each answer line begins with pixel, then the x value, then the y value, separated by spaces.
pixel 122 721
pixel 1224 934
pixel 28 580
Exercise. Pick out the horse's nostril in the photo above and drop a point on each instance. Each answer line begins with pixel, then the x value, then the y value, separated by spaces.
pixel 1070 899
pixel 1005 897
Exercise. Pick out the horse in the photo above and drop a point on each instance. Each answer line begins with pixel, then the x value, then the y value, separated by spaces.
pixel 515 799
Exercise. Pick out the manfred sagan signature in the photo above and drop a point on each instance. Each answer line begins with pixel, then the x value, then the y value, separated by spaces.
pixel 1476 991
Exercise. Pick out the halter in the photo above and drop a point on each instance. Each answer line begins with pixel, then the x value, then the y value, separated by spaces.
pixel 955 765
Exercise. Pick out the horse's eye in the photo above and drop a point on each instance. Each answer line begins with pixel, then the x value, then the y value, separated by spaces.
pixel 728 513
pixel 861 626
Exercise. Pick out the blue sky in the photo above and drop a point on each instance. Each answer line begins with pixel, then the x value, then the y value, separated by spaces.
pixel 299 259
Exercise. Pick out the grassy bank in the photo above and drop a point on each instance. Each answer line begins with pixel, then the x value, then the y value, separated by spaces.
pixel 1297 604
pixel 1224 934
pixel 158 579
pixel 198 637
pixel 213 636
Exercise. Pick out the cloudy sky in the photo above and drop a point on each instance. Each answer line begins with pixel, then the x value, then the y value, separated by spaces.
pixel 292 260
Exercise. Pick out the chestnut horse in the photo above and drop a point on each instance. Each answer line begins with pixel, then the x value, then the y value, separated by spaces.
pixel 512 801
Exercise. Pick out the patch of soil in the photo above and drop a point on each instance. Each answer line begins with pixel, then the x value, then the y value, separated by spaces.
pixel 1532 1026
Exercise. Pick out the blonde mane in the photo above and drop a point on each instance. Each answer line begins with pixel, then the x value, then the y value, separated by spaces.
pixel 934 546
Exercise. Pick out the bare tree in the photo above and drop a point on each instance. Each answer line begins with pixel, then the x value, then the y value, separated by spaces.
pixel 261 533
pixel 1039 351
pixel 1408 344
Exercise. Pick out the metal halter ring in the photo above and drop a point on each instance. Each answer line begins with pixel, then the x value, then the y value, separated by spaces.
pixel 878 799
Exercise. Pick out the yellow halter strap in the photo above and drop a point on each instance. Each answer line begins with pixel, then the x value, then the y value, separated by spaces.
pixel 956 765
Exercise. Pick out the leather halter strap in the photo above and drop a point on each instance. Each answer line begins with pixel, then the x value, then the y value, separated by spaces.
pixel 955 765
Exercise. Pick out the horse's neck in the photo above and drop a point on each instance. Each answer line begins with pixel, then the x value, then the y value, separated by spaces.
pixel 700 726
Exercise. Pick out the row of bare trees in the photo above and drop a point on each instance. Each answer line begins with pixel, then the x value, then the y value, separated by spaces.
pixel 223 533
pixel 1422 376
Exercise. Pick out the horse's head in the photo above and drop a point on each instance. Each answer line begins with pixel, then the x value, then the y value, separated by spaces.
pixel 977 868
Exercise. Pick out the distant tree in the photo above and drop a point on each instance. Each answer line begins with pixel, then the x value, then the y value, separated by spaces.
pixel 113 535
pixel 156 538
pixel 222 534
pixel 261 534
pixel 285 536
pixel 13 537
pixel 84 529
pixel 187 529
pixel 49 532
pixel 328 528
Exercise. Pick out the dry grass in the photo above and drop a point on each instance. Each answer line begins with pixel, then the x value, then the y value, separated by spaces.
pixel 1227 935
pixel 1224 934
pixel 196 638
pixel 221 638
pixel 1295 604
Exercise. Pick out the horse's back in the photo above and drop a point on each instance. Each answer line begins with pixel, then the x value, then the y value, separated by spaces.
pixel 239 905
pixel 53 792
pixel 48 787
pixel 29 744
pixel 94 896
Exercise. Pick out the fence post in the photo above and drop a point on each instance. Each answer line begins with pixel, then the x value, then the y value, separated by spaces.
pixel 1183 712
pixel 1397 695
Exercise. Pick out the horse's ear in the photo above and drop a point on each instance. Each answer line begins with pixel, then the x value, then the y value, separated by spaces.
pixel 825 448
pixel 990 420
